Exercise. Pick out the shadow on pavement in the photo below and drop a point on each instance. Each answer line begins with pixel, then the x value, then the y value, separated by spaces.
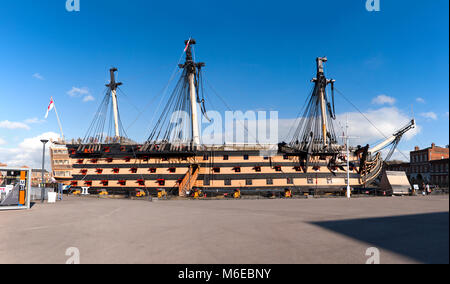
pixel 422 237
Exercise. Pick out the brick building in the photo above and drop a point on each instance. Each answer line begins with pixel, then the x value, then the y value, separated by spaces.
pixel 398 166
pixel 439 172
pixel 421 161
pixel 429 165
pixel 36 177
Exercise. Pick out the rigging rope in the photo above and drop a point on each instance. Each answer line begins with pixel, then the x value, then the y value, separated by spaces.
pixel 395 149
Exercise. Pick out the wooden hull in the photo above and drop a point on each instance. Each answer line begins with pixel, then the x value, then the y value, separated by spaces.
pixel 124 169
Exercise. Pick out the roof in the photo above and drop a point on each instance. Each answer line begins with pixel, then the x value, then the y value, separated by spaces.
pixel 396 181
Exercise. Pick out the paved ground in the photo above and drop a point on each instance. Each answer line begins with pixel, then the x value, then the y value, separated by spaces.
pixel 404 229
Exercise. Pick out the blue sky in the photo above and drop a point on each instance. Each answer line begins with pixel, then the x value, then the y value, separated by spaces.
pixel 259 55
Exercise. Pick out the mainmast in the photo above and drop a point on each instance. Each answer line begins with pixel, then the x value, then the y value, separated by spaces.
pixel 321 83
pixel 192 69
pixel 113 87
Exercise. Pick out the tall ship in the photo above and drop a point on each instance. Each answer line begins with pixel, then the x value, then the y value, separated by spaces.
pixel 174 160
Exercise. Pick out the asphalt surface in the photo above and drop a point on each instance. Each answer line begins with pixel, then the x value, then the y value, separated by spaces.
pixel 403 229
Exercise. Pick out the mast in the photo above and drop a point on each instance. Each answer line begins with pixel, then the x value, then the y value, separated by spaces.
pixel 315 132
pixel 320 81
pixel 192 68
pixel 113 87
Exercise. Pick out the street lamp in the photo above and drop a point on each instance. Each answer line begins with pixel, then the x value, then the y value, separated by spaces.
pixel 44 141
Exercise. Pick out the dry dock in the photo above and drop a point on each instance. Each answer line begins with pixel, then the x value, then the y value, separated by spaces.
pixel 404 229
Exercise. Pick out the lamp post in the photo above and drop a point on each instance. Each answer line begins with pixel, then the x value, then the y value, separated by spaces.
pixel 44 141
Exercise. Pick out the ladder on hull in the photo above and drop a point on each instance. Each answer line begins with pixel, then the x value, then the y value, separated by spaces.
pixel 189 180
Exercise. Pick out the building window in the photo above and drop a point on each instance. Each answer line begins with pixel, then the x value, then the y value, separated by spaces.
pixel 228 181
pixel 266 158
pixel 205 157
pixel 237 169
pixel 133 170
pixel 310 181
pixel 257 169
pixel 269 181
pixel 329 180
pixel 226 157
pixel 122 182
pixel 116 170
pixel 99 171
pixel 216 170
pixel 161 182
pixel 152 170
pixel 172 170
pixel 207 181
pixel 245 157
pixel 248 182
pixel 141 182
pixel 278 168
pixel 290 181
pixel 285 157
pixel 105 182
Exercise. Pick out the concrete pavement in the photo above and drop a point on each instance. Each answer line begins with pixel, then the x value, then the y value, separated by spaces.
pixel 404 229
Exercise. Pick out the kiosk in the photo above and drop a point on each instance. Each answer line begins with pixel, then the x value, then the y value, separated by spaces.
pixel 15 187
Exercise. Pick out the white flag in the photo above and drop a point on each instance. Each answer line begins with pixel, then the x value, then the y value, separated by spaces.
pixel 50 107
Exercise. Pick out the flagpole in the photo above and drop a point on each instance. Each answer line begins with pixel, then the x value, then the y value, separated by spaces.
pixel 59 122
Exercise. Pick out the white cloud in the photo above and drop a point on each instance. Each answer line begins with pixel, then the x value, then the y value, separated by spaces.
pixel 88 98
pixel 33 120
pixel 13 125
pixel 429 115
pixel 38 76
pixel 77 92
pixel 81 93
pixel 2 141
pixel 28 152
pixel 420 100
pixel 383 99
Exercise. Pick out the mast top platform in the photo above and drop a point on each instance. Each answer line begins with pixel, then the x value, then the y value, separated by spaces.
pixel 112 84
pixel 190 41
